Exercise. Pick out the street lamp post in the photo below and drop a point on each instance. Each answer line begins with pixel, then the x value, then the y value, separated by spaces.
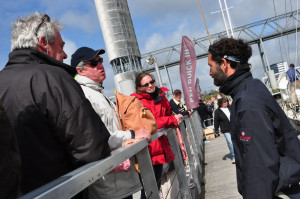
pixel 152 60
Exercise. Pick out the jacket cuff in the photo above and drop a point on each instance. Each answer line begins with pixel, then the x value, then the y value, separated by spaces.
pixel 132 134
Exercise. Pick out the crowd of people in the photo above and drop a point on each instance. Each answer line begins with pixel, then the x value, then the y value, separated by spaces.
pixel 56 118
pixel 61 119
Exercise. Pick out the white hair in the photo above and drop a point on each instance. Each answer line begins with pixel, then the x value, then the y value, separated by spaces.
pixel 23 31
pixel 81 65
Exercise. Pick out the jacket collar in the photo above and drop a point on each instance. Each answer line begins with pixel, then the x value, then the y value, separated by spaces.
pixel 177 102
pixel 158 97
pixel 29 56
pixel 231 83
pixel 82 80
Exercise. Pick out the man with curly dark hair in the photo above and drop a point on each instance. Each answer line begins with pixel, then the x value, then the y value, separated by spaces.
pixel 265 143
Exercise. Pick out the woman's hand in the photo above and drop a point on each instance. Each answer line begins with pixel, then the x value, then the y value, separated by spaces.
pixel 179 118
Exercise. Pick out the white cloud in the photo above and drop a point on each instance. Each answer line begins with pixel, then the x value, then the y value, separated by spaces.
pixel 69 48
pixel 85 22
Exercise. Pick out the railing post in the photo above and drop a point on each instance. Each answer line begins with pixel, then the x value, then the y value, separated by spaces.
pixel 192 133
pixel 147 174
pixel 198 134
pixel 179 167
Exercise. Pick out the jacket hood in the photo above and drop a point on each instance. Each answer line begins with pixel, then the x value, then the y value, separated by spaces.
pixel 82 80
pixel 27 56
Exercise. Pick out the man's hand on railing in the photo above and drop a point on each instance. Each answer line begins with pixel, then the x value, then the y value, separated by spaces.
pixel 179 118
pixel 130 141
pixel 143 133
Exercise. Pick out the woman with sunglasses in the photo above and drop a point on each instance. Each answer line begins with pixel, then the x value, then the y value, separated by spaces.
pixel 153 98
pixel 222 120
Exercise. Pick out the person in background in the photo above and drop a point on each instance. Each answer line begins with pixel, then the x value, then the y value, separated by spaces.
pixel 10 160
pixel 222 121
pixel 210 109
pixel 265 143
pixel 56 126
pixel 153 98
pixel 91 75
pixel 176 105
pixel 214 102
pixel 203 113
pixel 293 76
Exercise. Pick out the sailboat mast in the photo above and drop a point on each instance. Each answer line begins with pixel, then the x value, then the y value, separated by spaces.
pixel 229 19
pixel 225 23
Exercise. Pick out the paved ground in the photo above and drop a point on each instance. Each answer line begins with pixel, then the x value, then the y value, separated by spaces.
pixel 220 173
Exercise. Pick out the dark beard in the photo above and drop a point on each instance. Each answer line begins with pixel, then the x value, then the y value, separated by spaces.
pixel 219 76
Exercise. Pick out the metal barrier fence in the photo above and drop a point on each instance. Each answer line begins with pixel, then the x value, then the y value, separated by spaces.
pixel 74 182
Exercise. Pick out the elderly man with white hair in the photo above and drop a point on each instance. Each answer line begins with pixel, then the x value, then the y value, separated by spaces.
pixel 56 126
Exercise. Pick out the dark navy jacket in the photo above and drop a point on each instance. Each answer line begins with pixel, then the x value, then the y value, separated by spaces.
pixel 177 109
pixel 266 147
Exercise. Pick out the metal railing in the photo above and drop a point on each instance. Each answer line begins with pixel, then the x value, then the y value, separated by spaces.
pixel 74 182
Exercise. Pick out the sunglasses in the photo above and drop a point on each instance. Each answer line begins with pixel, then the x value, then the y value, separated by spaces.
pixel 45 19
pixel 94 63
pixel 147 84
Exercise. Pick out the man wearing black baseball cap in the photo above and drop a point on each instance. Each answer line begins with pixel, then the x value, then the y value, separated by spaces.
pixel 91 75
pixel 85 54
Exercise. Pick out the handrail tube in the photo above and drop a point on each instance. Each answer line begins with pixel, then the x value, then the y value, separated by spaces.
pixel 75 181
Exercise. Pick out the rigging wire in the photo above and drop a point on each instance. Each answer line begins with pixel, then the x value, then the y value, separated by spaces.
pixel 296 61
pixel 287 38
pixel 296 35
pixel 204 21
pixel 287 56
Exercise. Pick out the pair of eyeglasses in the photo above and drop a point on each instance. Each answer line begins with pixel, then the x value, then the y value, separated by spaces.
pixel 45 19
pixel 94 63
pixel 147 84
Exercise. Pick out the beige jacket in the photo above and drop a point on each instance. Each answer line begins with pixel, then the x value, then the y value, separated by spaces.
pixel 115 185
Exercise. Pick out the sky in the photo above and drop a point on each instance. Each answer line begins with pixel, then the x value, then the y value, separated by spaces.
pixel 158 24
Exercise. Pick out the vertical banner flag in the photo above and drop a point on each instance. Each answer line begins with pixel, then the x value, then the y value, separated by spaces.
pixel 187 73
pixel 197 87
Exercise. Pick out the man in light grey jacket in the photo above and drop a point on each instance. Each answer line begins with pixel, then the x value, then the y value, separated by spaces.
pixel 91 75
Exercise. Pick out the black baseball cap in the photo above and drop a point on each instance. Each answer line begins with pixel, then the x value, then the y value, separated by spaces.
pixel 85 54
